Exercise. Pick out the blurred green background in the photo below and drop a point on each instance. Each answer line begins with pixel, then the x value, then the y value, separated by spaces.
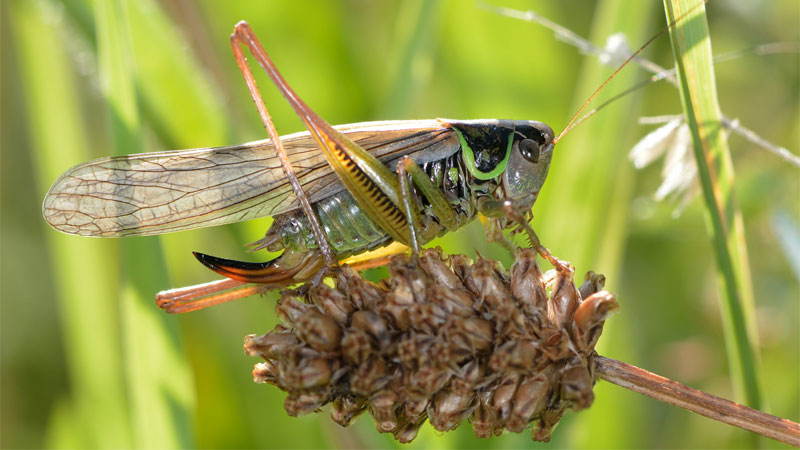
pixel 89 361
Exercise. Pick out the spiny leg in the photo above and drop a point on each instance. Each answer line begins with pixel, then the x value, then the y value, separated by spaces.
pixel 513 213
pixel 412 215
pixel 243 35
pixel 442 210
pixel 445 213
pixel 193 298
pixel 496 209
pixel 497 221
pixel 371 183
pixel 495 234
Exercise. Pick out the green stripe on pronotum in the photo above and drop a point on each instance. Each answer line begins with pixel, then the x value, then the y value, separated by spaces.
pixel 469 159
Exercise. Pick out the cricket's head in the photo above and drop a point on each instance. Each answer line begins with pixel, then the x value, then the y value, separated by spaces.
pixel 528 161
pixel 515 154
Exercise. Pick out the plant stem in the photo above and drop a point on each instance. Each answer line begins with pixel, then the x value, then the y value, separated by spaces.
pixel 692 49
pixel 717 408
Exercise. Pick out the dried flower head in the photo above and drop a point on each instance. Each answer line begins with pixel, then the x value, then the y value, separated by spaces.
pixel 443 339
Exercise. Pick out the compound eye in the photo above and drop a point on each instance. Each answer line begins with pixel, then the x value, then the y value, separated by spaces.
pixel 529 150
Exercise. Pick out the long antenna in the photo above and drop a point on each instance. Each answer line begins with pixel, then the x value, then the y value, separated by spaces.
pixel 571 123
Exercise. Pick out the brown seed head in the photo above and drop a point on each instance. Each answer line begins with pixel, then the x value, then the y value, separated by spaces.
pixel 445 339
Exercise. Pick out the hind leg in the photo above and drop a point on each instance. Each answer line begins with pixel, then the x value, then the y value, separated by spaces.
pixel 290 267
pixel 244 36
pixel 201 296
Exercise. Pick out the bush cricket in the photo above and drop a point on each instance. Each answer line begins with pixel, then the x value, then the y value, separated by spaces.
pixel 348 194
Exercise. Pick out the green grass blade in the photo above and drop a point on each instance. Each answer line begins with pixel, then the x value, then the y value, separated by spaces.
pixel 95 413
pixel 158 380
pixel 413 61
pixel 692 49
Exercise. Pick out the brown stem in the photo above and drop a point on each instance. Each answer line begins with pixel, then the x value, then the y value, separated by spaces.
pixel 669 391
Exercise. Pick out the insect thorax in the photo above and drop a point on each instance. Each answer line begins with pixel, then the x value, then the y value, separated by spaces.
pixel 350 231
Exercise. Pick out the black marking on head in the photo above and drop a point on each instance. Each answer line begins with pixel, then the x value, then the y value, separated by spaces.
pixel 488 141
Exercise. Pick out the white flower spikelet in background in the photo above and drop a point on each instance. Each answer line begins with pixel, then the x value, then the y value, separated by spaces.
pixel 679 174
pixel 616 50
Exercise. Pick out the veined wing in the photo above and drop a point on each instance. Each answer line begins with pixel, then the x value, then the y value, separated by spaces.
pixel 155 193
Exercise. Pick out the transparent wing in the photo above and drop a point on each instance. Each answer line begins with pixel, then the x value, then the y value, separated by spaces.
pixel 154 193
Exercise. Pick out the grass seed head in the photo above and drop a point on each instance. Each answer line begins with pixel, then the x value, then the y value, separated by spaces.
pixel 444 339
